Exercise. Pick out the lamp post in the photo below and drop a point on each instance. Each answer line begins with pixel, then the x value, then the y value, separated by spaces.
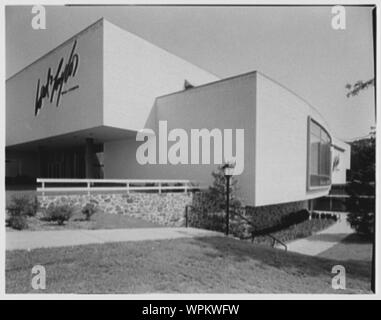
pixel 228 172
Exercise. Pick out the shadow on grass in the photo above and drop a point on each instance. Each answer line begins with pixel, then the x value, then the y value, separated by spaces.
pixel 355 238
pixel 342 237
pixel 290 262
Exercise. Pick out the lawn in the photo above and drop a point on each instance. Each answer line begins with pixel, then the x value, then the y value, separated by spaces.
pixel 202 265
pixel 99 220
pixel 354 246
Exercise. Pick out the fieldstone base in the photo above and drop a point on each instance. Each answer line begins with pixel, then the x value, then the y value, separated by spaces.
pixel 167 209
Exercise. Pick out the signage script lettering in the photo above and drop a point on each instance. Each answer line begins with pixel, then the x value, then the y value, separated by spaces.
pixel 55 85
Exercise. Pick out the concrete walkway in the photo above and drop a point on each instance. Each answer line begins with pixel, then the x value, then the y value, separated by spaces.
pixel 322 240
pixel 26 240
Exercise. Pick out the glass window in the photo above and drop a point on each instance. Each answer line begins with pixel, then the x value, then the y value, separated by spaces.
pixel 319 156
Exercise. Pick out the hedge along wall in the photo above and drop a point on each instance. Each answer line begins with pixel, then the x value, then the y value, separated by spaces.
pixel 266 219
pixel 167 209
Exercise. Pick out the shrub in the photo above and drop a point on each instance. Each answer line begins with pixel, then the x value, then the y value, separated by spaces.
pixel 89 209
pixel 59 213
pixel 361 210
pixel 24 204
pixel 300 230
pixel 207 220
pixel 214 199
pixel 362 222
pixel 17 221
pixel 268 219
pixel 209 206
pixel 19 208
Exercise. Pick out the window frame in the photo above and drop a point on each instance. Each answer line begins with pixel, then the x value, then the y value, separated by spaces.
pixel 309 186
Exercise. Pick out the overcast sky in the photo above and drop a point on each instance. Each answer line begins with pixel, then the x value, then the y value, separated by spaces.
pixel 294 45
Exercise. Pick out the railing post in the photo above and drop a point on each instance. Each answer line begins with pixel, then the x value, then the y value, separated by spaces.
pixel 128 187
pixel 185 188
pixel 88 188
pixel 186 216
pixel 159 187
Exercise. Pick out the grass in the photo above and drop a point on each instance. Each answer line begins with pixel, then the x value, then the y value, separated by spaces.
pixel 354 245
pixel 203 265
pixel 99 220
pixel 18 191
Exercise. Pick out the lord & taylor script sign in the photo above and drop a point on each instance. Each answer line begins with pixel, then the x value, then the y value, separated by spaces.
pixel 54 86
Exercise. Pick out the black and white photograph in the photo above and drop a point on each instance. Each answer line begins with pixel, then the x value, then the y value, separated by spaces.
pixel 172 150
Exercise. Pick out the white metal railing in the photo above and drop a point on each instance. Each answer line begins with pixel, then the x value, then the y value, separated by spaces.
pixel 348 196
pixel 127 185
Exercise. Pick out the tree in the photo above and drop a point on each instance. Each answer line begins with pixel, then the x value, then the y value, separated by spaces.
pixel 365 221
pixel 361 188
pixel 209 206
pixel 217 192
pixel 353 90
pixel 363 160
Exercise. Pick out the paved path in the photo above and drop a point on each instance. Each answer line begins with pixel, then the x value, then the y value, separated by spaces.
pixel 322 240
pixel 62 238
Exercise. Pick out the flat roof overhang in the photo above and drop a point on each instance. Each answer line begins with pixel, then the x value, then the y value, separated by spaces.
pixel 100 134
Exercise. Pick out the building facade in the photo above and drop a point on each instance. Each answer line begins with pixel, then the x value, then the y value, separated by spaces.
pixel 76 113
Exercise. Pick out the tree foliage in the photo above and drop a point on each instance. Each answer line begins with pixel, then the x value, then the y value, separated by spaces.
pixel 210 206
pixel 363 160
pixel 353 90
pixel 217 192
pixel 361 188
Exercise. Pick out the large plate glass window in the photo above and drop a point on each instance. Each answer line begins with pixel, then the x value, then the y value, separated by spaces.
pixel 319 156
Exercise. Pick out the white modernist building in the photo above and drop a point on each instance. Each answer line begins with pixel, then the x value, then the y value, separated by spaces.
pixel 76 112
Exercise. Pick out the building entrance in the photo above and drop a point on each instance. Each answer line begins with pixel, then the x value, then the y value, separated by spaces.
pixel 71 163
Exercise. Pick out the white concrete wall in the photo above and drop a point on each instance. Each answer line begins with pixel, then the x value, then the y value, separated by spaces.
pixel 226 104
pixel 343 152
pixel 120 77
pixel 281 145
pixel 78 109
pixel 135 73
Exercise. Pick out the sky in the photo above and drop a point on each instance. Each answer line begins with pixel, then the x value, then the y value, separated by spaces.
pixel 295 46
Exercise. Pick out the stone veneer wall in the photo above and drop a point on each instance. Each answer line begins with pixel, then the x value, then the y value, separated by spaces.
pixel 167 209
pixel 262 217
